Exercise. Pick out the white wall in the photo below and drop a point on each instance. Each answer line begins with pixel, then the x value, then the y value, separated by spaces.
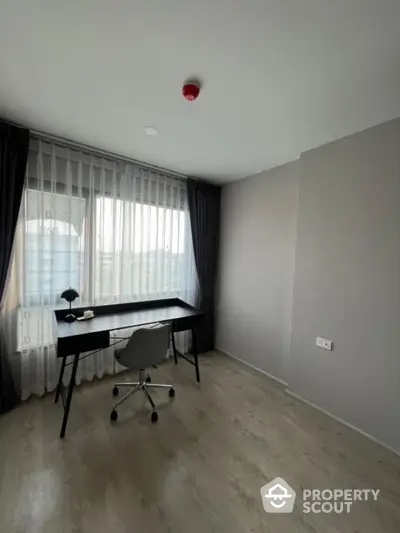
pixel 258 230
pixel 346 278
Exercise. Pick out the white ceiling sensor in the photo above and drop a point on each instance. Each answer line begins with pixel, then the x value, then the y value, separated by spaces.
pixel 149 130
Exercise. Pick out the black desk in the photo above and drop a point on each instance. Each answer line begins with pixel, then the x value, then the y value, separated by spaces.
pixel 94 334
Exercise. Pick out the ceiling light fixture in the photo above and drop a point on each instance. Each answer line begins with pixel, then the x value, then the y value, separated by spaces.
pixel 149 130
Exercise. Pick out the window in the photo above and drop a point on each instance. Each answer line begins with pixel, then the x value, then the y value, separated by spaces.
pixel 109 249
pixel 113 231
pixel 141 254
pixel 53 246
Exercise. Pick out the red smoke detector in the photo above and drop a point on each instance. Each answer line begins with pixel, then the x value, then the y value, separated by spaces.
pixel 190 91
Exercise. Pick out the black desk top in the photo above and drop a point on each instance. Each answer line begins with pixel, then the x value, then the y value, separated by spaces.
pixel 120 316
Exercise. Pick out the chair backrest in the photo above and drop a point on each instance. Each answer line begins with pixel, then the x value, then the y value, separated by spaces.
pixel 146 347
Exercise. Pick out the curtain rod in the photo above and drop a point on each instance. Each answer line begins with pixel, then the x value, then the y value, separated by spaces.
pixel 103 153
pixel 68 143
pixel 97 151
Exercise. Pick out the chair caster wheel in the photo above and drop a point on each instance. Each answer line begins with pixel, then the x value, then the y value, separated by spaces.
pixel 154 416
pixel 148 379
pixel 171 393
pixel 115 391
pixel 113 415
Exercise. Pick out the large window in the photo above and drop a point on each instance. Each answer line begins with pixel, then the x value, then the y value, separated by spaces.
pixel 115 232
pixel 109 249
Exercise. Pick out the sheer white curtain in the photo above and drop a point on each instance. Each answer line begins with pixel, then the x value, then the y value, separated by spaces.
pixel 113 231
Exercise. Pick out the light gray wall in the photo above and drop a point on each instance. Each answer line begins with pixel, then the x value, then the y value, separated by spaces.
pixel 346 277
pixel 347 281
pixel 256 268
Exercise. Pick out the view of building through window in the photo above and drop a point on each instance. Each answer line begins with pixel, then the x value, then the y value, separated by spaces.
pixel 53 246
pixel 146 258
pixel 136 250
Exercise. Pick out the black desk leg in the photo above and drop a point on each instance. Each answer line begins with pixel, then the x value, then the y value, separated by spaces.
pixel 196 361
pixel 60 378
pixel 174 347
pixel 69 397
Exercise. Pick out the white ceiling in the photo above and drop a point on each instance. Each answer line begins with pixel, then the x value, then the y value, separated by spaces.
pixel 280 76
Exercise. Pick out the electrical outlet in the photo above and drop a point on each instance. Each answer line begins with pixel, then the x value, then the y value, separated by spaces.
pixel 323 343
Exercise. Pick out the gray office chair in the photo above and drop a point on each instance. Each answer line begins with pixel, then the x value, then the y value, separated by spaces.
pixel 146 347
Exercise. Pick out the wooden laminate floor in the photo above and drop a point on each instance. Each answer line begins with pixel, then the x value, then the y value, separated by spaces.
pixel 198 470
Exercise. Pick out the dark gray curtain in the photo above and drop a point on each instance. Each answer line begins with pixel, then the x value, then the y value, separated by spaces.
pixel 14 143
pixel 204 202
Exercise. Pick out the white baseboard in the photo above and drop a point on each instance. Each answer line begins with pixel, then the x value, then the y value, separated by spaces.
pixel 341 421
pixel 300 398
pixel 280 381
